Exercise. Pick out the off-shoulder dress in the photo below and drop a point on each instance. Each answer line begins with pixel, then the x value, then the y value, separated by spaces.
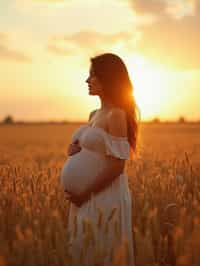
pixel 104 223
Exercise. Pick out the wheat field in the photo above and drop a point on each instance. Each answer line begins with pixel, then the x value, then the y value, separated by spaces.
pixel 164 182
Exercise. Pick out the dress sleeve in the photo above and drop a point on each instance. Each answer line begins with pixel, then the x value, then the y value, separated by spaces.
pixel 118 147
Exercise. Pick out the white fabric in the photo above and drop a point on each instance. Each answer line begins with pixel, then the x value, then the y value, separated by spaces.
pixel 81 169
pixel 77 173
pixel 117 147
pixel 108 236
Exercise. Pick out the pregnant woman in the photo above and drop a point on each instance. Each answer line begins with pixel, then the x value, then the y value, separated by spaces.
pixel 100 215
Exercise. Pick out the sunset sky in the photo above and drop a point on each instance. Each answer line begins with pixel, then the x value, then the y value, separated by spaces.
pixel 46 45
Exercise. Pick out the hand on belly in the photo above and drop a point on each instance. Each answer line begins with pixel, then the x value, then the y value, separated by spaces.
pixel 80 170
pixel 73 148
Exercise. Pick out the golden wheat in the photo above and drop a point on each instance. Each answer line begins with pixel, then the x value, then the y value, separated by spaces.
pixel 165 188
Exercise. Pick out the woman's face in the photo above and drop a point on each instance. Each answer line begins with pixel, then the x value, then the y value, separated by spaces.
pixel 94 85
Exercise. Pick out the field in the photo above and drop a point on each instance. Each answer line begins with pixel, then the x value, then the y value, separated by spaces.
pixel 164 181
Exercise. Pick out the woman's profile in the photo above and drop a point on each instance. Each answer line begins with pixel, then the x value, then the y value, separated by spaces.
pixel 101 216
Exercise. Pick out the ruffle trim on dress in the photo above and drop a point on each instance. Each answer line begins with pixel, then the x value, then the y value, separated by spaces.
pixel 117 146
pixel 114 145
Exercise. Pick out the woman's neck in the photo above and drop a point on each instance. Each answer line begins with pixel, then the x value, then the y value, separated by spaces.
pixel 106 105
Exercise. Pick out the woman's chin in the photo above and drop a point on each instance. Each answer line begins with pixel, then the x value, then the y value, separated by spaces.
pixel 91 92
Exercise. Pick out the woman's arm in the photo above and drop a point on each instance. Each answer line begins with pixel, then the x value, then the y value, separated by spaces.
pixel 116 165
pixel 103 180
pixel 106 176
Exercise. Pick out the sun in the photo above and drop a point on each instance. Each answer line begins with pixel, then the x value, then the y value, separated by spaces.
pixel 148 81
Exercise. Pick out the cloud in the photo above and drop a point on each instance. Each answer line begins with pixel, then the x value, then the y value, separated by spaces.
pixel 159 8
pixel 44 3
pixel 169 40
pixel 8 53
pixel 59 50
pixel 90 41
pixel 142 7
pixel 49 1
pixel 3 37
pixel 14 55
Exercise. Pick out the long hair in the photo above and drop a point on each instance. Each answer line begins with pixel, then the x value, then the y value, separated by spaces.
pixel 118 88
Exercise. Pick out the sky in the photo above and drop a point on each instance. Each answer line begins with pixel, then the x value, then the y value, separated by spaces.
pixel 46 46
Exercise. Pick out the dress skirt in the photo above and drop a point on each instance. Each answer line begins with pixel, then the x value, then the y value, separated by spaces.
pixel 101 230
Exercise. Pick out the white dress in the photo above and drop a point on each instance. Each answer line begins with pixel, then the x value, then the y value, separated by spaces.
pixel 104 223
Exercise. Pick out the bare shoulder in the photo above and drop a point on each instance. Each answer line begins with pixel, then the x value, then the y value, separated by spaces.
pixel 117 114
pixel 117 122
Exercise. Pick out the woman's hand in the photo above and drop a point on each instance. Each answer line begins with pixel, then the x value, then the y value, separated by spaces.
pixel 74 199
pixel 73 148
pixel 77 200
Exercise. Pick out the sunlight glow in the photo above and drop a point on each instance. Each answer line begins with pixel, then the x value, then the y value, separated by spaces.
pixel 149 85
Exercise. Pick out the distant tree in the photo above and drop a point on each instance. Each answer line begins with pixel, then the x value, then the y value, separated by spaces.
pixel 8 120
pixel 181 119
pixel 156 120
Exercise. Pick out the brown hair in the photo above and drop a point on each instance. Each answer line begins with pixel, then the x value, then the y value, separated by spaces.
pixel 114 77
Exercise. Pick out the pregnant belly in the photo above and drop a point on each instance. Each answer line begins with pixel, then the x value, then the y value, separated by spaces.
pixel 81 169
